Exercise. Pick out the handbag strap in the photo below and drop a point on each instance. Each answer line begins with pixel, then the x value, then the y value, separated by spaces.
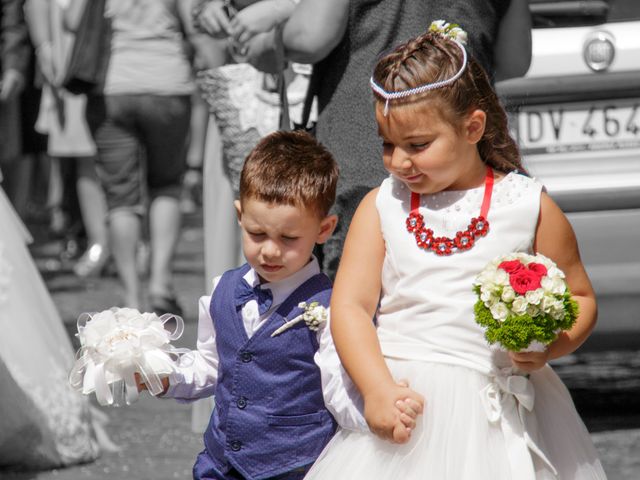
pixel 308 103
pixel 285 118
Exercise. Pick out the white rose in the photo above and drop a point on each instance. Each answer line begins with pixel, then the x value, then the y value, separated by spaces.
pixel 501 277
pixel 553 285
pixel 547 302
pixel 533 310
pixel 499 311
pixel 557 313
pixel 519 305
pixel 534 296
pixel 554 271
pixel 508 294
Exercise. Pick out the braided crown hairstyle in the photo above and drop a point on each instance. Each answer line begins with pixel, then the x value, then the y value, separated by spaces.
pixel 431 57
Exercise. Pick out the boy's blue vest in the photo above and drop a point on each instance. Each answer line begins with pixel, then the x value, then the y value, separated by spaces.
pixel 269 415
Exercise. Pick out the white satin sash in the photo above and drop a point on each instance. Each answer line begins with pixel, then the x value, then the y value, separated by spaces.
pixel 508 400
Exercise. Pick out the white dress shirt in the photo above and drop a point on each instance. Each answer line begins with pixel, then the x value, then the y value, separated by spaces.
pixel 197 373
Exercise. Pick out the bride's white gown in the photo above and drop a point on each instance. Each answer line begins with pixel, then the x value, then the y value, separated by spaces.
pixel 43 422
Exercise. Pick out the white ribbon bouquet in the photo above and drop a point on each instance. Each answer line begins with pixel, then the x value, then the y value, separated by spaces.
pixel 120 343
pixel 523 302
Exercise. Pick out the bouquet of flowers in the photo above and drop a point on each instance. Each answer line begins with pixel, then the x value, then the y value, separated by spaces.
pixel 120 343
pixel 523 302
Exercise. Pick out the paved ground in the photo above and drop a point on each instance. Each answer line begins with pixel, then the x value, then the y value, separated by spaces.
pixel 155 438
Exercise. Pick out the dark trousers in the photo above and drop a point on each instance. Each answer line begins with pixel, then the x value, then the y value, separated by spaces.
pixel 204 469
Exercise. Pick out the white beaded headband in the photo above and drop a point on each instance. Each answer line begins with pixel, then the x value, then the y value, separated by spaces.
pixel 447 30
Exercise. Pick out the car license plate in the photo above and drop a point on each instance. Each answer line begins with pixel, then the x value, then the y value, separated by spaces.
pixel 577 127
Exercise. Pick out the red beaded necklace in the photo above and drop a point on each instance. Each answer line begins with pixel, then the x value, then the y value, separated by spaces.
pixel 464 240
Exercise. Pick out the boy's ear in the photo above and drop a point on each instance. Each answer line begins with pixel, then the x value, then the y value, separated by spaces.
pixel 327 226
pixel 238 205
pixel 475 125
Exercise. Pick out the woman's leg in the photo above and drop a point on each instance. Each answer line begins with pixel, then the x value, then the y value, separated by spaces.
pixel 93 204
pixel 164 230
pixel 124 228
pixel 112 121
pixel 93 208
pixel 164 124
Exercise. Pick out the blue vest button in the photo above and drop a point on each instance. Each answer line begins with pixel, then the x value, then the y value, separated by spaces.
pixel 246 357
pixel 236 445
pixel 241 403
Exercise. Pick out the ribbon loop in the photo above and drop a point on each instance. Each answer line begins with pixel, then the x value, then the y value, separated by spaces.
pixel 508 400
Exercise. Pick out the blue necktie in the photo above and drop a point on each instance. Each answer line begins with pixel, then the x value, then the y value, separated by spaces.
pixel 244 292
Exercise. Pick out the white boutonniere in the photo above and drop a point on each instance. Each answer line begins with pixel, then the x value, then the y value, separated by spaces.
pixel 314 315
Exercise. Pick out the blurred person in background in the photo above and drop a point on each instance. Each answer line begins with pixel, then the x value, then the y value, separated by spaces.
pixel 15 55
pixel 140 124
pixel 344 39
pixel 228 27
pixel 62 118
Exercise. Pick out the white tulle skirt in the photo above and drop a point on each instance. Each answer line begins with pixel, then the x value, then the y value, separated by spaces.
pixel 462 435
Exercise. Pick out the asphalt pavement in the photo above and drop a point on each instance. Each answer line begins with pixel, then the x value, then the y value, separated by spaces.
pixel 154 436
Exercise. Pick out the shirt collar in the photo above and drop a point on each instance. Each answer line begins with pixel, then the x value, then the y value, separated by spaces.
pixel 285 287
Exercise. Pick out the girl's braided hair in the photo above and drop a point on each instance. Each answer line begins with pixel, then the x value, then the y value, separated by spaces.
pixel 432 57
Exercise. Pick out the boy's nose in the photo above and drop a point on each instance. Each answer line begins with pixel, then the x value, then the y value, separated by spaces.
pixel 270 249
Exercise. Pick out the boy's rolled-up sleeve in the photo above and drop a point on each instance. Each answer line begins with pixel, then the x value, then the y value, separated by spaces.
pixel 341 396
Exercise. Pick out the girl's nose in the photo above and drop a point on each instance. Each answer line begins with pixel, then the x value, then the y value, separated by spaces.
pixel 400 160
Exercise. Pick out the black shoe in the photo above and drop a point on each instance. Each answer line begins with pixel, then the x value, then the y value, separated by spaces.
pixel 161 304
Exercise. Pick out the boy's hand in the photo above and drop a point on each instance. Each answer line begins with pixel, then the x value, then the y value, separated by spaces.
pixel 409 410
pixel 529 361
pixel 143 386
pixel 387 408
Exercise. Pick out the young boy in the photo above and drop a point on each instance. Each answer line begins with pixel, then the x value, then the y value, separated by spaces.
pixel 255 354
pixel 269 419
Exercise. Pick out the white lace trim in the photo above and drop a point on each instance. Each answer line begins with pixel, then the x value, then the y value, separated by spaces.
pixel 66 414
pixel 5 274
pixel 507 191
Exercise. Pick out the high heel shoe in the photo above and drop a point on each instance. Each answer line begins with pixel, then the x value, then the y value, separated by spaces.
pixel 92 261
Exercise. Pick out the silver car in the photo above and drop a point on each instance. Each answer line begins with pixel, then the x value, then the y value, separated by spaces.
pixel 576 115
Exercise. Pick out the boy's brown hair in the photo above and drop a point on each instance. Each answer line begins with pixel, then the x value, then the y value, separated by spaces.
pixel 290 168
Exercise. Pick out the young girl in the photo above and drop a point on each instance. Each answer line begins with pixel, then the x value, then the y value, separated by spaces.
pixel 447 148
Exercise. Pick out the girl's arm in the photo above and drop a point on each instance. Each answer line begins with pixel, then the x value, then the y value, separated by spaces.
pixel 555 239
pixel 354 303
pixel 314 29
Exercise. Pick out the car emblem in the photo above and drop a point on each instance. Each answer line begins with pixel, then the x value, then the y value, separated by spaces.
pixel 599 51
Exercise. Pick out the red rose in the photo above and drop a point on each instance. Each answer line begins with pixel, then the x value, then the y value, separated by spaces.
pixel 539 268
pixel 511 266
pixel 524 280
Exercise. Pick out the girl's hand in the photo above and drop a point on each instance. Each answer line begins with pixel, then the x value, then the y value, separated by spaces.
pixel 529 361
pixel 387 408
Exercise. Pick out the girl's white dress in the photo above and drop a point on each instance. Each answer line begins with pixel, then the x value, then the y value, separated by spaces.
pixel 43 422
pixel 479 421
